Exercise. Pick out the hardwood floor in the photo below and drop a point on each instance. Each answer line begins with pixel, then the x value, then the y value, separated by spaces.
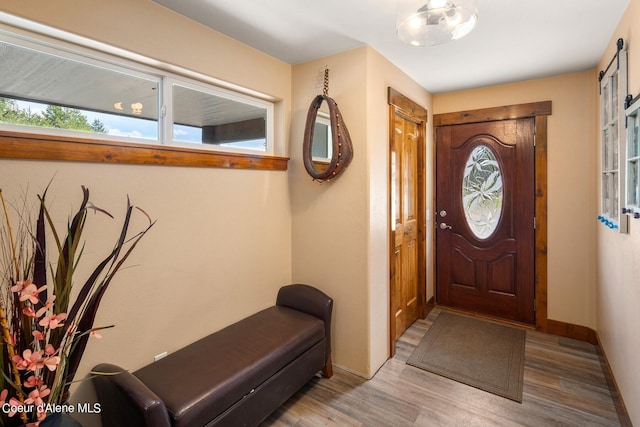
pixel 565 384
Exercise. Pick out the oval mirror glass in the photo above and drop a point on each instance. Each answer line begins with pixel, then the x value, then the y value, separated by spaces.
pixel 482 192
pixel 321 147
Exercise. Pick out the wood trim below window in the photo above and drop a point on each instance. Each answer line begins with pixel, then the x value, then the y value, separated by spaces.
pixel 17 145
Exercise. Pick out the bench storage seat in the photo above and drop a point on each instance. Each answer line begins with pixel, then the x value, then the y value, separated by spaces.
pixel 236 376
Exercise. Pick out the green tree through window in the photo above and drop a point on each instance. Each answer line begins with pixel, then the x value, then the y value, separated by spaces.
pixel 53 116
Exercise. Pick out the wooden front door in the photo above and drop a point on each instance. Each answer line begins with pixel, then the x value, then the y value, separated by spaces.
pixel 485 213
pixel 407 212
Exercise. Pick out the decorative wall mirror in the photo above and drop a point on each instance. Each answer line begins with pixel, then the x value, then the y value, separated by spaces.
pixel 327 149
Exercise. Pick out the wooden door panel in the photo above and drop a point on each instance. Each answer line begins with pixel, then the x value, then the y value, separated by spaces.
pixel 411 283
pixel 409 171
pixel 398 291
pixel 501 275
pixel 463 269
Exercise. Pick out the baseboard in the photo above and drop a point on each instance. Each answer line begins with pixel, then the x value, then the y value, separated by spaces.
pixel 621 409
pixel 584 333
pixel 356 373
pixel 428 307
pixel 569 330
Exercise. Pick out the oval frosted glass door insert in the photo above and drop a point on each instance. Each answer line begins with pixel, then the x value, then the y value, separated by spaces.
pixel 482 192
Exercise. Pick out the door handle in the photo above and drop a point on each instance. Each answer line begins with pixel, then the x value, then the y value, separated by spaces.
pixel 444 226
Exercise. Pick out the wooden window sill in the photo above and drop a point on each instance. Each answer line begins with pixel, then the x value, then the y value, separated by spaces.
pixel 18 145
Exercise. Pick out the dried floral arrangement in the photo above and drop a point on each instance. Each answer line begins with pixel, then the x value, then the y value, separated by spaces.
pixel 43 333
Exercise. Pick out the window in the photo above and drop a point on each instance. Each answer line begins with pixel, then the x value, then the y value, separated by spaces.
pixel 211 117
pixel 632 205
pixel 54 88
pixel 613 87
pixel 43 89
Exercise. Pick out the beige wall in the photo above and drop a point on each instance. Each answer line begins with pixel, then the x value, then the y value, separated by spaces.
pixel 340 228
pixel 383 74
pixel 618 285
pixel 222 245
pixel 571 176
pixel 329 225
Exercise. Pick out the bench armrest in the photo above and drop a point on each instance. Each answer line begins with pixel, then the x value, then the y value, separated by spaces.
pixel 125 400
pixel 312 301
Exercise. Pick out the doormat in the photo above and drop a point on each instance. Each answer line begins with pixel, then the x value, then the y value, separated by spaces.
pixel 476 352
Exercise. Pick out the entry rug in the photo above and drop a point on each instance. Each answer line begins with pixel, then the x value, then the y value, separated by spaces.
pixel 476 352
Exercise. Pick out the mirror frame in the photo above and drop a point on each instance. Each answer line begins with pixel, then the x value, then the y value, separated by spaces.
pixel 342 149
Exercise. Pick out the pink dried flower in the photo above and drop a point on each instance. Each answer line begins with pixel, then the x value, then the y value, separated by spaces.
pixel 29 361
pixel 47 306
pixel 32 381
pixel 52 362
pixel 14 404
pixel 53 321
pixel 28 311
pixel 30 292
pixel 19 286
pixel 35 396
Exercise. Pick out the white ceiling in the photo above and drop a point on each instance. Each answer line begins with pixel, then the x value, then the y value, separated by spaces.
pixel 514 40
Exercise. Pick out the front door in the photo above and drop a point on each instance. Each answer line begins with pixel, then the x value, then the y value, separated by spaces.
pixel 485 218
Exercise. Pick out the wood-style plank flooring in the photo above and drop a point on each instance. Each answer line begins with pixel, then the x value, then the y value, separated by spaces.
pixel 565 384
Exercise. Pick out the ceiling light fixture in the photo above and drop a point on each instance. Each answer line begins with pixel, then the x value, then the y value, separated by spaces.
pixel 436 21
pixel 136 108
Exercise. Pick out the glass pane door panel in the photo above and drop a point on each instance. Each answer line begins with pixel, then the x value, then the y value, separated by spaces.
pixel 482 192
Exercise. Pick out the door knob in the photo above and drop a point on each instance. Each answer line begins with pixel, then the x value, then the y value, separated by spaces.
pixel 444 226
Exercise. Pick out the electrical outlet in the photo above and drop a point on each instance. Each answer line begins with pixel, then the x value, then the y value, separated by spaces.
pixel 159 356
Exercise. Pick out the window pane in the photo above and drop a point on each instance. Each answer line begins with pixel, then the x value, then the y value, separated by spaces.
pixel 45 90
pixel 633 140
pixel 614 97
pixel 605 149
pixel 606 99
pixel 632 184
pixel 606 198
pixel 204 118
pixel 482 192
pixel 613 142
pixel 615 208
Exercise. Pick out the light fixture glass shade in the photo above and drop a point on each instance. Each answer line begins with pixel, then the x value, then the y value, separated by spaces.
pixel 436 21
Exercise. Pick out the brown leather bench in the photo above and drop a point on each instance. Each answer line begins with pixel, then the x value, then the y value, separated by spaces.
pixel 234 377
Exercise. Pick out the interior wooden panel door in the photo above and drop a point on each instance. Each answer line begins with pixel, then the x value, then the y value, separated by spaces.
pixel 485 201
pixel 407 243
pixel 404 227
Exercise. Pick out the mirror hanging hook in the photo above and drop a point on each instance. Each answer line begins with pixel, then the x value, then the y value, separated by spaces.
pixel 325 89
